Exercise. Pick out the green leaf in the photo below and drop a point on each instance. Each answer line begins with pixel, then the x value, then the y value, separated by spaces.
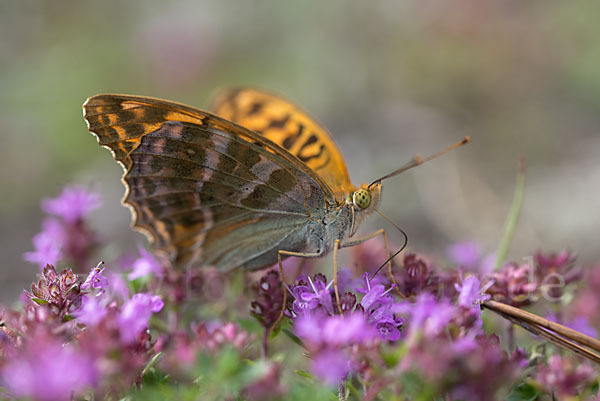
pixel 251 325
pixel 523 392
pixel 294 337
pixel 229 363
pixel 154 377
pixel 302 373
pixel 68 318
pixel 39 301
pixel 392 355
pixel 594 387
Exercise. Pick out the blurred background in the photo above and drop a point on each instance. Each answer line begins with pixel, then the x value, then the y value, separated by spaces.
pixel 390 79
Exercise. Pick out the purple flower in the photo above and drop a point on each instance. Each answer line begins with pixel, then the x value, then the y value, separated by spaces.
pixel 463 345
pixel 309 327
pixel 471 292
pixel 577 323
pixel 67 237
pixel 415 276
pixel 426 315
pixel 118 286
pixel 581 324
pixel 135 314
pixel 144 265
pixel 268 302
pixel 96 279
pixel 73 204
pixel 329 338
pixel 376 294
pixel 218 334
pixel 559 261
pixel 47 371
pixel 459 366
pixel 303 302
pixel 373 296
pixel 377 306
pixel 554 270
pixel 515 285
pixel 564 377
pixel 181 347
pixel 347 330
pixel 380 314
pixel 331 366
pixel 334 330
pixel 92 310
pixel 519 358
pixel 311 294
pixel 389 331
pixel 466 254
pixel 320 293
pixel 347 302
pixel 60 291
pixel 365 283
pixel 47 250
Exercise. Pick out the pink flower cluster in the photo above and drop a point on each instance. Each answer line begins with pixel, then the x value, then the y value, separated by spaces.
pixel 65 235
pixel 73 337
pixel 440 327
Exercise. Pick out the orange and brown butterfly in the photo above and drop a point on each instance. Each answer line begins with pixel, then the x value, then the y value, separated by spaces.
pixel 255 181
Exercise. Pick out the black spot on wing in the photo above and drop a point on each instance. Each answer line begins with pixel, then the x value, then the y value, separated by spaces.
pixel 255 108
pixel 291 140
pixel 279 123
pixel 313 156
pixel 260 197
pixel 311 140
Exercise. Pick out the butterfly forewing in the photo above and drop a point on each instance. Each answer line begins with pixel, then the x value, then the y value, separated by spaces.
pixel 204 189
pixel 290 127
pixel 119 122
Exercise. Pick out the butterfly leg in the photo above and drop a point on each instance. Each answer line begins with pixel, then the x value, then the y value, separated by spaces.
pixel 283 280
pixel 338 245
pixel 359 241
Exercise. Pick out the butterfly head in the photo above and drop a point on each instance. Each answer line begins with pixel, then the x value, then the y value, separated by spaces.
pixel 363 201
pixel 367 197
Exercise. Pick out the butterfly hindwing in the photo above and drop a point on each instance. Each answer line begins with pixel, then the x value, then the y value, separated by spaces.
pixel 290 127
pixel 201 187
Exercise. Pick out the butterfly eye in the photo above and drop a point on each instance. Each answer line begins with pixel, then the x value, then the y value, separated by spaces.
pixel 362 198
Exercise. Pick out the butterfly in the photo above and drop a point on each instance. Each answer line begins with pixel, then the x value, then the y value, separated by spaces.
pixel 244 186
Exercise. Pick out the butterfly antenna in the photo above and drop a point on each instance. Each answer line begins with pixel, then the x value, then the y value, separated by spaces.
pixel 399 250
pixel 418 160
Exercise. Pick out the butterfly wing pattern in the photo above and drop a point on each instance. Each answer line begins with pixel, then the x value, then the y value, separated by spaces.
pixel 290 127
pixel 206 190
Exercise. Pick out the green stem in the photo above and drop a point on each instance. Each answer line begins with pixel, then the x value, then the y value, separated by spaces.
pixel 512 218
pixel 151 363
